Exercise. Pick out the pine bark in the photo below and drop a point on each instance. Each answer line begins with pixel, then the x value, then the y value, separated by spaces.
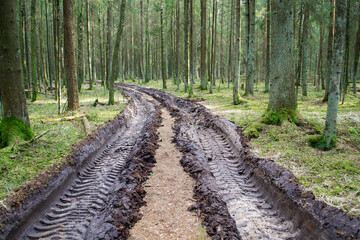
pixel 88 42
pixel 70 62
pixel 115 58
pixel 109 44
pixel 356 56
pixel 329 51
pixel 34 76
pixel 337 65
pixel 191 46
pixel 267 71
pixel 282 91
pixel 236 99
pixel 163 67
pixel 80 55
pixel 249 88
pixel 11 84
pixel 186 45
pixel 305 49
pixel 203 85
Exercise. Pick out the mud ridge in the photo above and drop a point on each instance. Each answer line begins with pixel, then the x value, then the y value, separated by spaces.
pixel 273 191
pixel 100 196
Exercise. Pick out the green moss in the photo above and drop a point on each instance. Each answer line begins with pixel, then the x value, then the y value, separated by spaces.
pixel 12 129
pixel 278 117
pixel 320 143
pixel 254 130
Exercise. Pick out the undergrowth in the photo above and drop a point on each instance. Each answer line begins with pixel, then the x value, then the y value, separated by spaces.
pixel 22 161
pixel 333 176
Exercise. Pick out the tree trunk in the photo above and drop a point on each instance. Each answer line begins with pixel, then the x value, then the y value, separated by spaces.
pixel 70 62
pixel 203 85
pixel 163 67
pixel 186 45
pixel 300 49
pixel 177 70
pixel 267 74
pixel 230 42
pixel 191 45
pixel 42 46
pixel 213 47
pixel 282 92
pixel 236 99
pixel 11 84
pixel 88 43
pixel 345 78
pixel 305 49
pixel 329 51
pixel 115 57
pixel 109 44
pixel 337 64
pixel 28 53
pixel 356 55
pixel 249 88
pixel 143 41
pixel 34 77
pixel 80 55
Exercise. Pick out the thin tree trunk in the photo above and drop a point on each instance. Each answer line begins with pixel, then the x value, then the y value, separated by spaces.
pixel 42 46
pixel 115 58
pixel 213 46
pixel 249 88
pixel 177 70
pixel 347 55
pixel 267 74
pixel 186 45
pixel 80 56
pixel 88 43
pixel 230 42
pixel 236 99
pixel 191 45
pixel 34 77
pixel 305 49
pixel 163 67
pixel 28 53
pixel 203 85
pixel 109 44
pixel 328 58
pixel 337 65
pixel 143 42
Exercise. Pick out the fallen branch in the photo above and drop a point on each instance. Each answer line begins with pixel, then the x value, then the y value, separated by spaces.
pixel 63 119
pixel 43 93
pixel 39 136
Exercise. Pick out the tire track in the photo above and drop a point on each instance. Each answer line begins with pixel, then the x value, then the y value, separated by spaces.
pixel 75 212
pixel 254 216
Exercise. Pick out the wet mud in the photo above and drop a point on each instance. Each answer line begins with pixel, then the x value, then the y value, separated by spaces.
pixel 240 195
pixel 100 195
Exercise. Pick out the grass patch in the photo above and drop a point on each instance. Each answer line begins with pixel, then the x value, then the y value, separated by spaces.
pixel 333 176
pixel 22 162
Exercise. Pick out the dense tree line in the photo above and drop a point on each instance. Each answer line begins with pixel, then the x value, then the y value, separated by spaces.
pixel 284 45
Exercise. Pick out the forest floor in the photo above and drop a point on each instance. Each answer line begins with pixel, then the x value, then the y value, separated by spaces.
pixel 23 161
pixel 333 176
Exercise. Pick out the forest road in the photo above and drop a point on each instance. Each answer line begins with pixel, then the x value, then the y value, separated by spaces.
pixel 235 194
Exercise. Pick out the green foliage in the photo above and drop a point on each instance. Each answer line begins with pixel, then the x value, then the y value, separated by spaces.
pixel 354 131
pixel 12 129
pixel 278 117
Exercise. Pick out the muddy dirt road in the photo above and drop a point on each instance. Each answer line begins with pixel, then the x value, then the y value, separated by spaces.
pixel 238 195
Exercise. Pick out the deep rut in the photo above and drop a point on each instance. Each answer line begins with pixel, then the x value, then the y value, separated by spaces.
pixel 253 214
pixel 78 211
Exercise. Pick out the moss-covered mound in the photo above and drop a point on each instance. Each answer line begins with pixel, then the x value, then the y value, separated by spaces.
pixel 12 129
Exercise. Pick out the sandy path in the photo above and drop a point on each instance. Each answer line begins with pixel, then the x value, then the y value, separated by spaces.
pixel 169 194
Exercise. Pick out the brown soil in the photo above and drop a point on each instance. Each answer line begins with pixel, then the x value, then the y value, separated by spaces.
pixel 168 195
